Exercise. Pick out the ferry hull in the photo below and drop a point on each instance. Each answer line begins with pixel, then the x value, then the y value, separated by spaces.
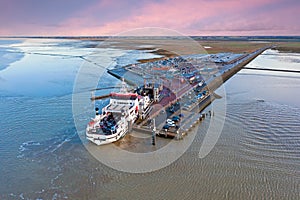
pixel 101 139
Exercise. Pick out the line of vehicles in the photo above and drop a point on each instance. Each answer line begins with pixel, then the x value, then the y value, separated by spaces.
pixel 126 107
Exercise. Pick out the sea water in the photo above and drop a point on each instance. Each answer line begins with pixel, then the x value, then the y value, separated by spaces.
pixel 257 155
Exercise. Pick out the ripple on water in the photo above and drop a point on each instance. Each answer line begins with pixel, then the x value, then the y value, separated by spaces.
pixel 271 135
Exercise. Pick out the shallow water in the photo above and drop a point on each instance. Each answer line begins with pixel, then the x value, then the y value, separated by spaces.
pixel 42 157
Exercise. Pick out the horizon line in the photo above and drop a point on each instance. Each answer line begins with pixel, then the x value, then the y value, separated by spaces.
pixel 116 36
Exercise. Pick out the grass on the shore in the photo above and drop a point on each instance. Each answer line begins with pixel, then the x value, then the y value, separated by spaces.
pixel 289 47
pixel 170 47
pixel 232 46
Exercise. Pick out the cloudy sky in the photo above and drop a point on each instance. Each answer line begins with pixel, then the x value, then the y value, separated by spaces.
pixel 111 17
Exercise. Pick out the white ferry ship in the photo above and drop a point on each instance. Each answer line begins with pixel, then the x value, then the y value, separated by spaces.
pixel 116 119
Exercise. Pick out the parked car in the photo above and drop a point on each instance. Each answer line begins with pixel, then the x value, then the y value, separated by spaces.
pixel 171 109
pixel 166 127
pixel 199 96
pixel 172 125
pixel 170 121
pixel 176 118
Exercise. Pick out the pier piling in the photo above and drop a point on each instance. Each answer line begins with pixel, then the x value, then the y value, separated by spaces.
pixel 153 132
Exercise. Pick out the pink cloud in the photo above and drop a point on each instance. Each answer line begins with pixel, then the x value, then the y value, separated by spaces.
pixel 169 14
pixel 279 21
pixel 190 17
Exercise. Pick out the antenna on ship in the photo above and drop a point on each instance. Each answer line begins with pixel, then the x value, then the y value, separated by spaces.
pixel 123 87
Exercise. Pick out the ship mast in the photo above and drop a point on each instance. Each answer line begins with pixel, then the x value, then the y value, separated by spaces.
pixel 123 87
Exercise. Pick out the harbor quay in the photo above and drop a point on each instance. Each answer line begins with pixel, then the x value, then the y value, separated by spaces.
pixel 187 86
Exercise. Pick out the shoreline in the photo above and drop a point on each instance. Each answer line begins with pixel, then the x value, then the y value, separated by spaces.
pixel 217 44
